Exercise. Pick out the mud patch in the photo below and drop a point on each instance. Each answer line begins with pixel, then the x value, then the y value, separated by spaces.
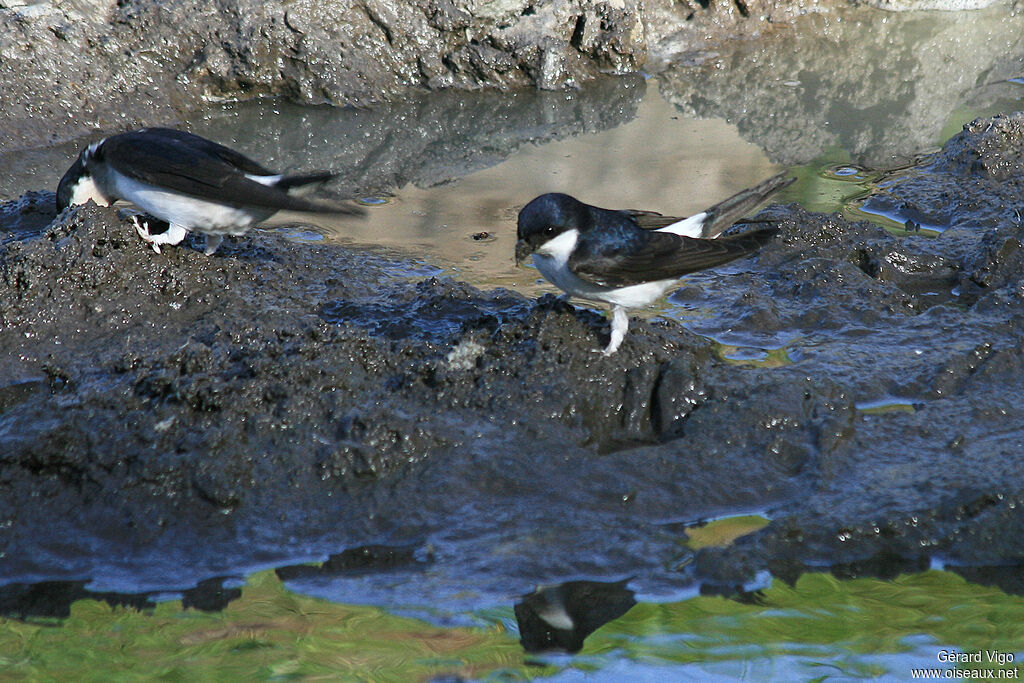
pixel 171 418
pixel 136 63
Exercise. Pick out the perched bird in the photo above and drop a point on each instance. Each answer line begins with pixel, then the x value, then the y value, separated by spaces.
pixel 185 181
pixel 629 258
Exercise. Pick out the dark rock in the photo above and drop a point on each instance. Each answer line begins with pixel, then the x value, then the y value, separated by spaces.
pixel 81 66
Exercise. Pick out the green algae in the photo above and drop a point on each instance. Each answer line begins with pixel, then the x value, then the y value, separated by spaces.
pixel 823 624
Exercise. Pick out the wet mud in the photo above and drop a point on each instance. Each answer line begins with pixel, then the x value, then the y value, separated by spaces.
pixel 840 84
pixel 167 419
pixel 72 67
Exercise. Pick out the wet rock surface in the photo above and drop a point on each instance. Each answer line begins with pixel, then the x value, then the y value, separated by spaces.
pixel 69 67
pixel 837 84
pixel 167 419
pixel 74 66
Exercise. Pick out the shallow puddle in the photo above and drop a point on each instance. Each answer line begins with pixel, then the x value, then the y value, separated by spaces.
pixel 443 175
pixel 654 159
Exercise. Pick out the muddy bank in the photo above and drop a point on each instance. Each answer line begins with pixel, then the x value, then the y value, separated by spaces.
pixel 849 88
pixel 924 467
pixel 194 395
pixel 70 67
pixel 168 419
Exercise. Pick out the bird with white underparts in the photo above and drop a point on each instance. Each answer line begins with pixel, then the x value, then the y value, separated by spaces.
pixel 188 183
pixel 629 259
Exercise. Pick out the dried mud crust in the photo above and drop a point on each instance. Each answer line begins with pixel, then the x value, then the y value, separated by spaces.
pixel 280 398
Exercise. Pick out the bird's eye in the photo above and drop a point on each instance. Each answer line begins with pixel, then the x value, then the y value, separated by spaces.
pixel 550 230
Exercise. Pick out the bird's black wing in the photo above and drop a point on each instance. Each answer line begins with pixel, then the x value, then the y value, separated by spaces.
pixel 651 256
pixel 178 149
pixel 192 165
pixel 651 220
pixel 727 212
pixel 722 215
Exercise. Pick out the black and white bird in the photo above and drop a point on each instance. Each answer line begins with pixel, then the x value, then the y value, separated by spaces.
pixel 186 181
pixel 629 259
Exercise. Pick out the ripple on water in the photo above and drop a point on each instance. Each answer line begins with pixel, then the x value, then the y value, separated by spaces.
pixel 888 404
pixel 847 172
pixel 898 219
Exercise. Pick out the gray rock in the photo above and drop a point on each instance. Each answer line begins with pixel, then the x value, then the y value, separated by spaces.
pixel 70 67
pixel 842 81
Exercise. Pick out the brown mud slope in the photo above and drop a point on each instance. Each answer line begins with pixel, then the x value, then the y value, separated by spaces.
pixel 71 66
pixel 169 418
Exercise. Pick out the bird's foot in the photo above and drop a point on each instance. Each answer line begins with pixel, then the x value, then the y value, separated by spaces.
pixel 156 232
pixel 212 242
pixel 142 227
pixel 620 323
pixel 609 350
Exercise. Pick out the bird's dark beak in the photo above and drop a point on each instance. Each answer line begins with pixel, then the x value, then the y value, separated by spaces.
pixel 523 250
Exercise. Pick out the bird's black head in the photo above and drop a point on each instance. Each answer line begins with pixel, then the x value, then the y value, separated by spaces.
pixel 546 217
pixel 77 186
pixel 70 180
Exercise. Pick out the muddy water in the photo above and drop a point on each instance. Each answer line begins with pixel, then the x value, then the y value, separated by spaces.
pixel 866 88
pixel 669 163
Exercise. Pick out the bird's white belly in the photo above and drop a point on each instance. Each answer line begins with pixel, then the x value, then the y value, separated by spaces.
pixel 552 260
pixel 189 212
pixel 633 296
